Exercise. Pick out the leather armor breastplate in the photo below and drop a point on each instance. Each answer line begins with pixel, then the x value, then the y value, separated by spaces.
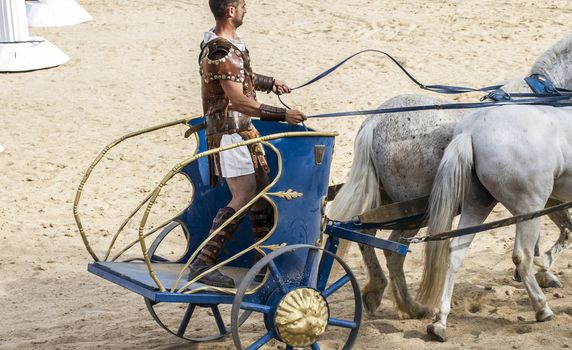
pixel 221 60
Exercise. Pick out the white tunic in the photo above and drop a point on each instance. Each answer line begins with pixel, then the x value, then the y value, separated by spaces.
pixel 237 161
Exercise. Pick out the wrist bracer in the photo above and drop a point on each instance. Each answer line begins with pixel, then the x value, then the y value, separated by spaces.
pixel 262 82
pixel 272 113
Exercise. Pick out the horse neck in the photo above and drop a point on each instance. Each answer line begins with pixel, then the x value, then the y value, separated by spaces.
pixel 517 85
pixel 556 63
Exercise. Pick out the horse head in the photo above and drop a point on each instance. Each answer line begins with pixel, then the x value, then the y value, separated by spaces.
pixel 556 63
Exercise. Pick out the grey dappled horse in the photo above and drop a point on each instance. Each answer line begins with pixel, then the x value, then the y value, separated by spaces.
pixel 396 157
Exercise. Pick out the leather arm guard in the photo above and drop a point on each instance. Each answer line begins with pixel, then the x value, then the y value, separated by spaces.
pixel 262 82
pixel 272 113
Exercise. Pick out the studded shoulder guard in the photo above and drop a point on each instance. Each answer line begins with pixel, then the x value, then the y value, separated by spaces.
pixel 220 60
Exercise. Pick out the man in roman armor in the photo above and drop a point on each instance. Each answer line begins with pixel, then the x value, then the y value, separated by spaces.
pixel 228 87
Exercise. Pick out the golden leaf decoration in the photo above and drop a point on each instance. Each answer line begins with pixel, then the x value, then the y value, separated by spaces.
pixel 273 247
pixel 288 195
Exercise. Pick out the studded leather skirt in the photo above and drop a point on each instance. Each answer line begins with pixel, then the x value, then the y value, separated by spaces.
pixel 235 122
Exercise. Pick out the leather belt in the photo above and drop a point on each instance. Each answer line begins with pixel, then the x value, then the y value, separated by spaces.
pixel 235 122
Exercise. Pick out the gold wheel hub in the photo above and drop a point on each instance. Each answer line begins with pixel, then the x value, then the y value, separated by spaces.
pixel 301 317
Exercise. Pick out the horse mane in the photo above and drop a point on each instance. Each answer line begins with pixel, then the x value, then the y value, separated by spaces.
pixel 556 63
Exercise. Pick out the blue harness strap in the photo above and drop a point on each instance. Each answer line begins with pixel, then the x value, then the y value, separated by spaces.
pixel 497 95
pixel 541 85
pixel 541 101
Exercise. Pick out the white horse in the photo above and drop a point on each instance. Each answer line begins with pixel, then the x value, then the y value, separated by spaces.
pixel 519 156
pixel 396 159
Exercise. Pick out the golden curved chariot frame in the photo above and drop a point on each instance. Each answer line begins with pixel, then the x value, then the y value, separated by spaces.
pixel 152 197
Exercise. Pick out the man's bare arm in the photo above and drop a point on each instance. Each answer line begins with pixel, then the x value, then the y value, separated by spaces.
pixel 247 106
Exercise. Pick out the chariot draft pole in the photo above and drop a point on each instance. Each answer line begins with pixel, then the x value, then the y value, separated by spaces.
pixel 18 51
pixel 55 13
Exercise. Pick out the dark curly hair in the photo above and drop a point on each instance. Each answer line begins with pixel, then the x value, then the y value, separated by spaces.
pixel 218 7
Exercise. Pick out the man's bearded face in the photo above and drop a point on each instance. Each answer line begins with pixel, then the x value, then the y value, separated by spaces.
pixel 238 18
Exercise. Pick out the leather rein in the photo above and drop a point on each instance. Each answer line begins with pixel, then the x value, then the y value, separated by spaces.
pixel 544 93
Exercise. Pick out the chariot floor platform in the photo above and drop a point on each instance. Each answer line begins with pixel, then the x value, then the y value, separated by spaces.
pixel 135 277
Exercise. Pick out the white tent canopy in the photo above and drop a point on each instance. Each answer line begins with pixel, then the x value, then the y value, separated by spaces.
pixel 55 13
pixel 18 51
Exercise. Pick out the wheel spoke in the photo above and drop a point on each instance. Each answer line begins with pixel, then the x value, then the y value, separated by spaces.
pixel 309 278
pixel 336 286
pixel 277 276
pixel 326 263
pixel 256 307
pixel 218 319
pixel 265 339
pixel 315 346
pixel 342 323
pixel 186 319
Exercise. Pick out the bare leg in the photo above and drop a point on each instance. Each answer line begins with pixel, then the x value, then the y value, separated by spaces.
pixel 404 302
pixel 372 293
pixel 243 189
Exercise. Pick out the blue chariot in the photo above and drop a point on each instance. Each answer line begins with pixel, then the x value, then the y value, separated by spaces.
pixel 287 281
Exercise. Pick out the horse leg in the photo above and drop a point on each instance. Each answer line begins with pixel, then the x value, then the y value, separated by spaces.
pixel 405 304
pixel 477 206
pixel 563 220
pixel 377 282
pixel 459 246
pixel 544 278
pixel 527 234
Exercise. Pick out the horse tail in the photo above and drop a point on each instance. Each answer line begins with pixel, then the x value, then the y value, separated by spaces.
pixel 361 190
pixel 449 188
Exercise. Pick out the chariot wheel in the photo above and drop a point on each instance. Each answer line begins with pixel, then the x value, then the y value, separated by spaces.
pixel 159 239
pixel 176 318
pixel 299 310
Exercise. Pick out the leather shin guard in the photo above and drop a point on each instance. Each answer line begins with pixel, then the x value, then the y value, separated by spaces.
pixel 210 252
pixel 262 221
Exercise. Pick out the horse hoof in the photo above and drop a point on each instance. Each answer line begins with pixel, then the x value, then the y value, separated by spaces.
pixel 544 315
pixel 371 301
pixel 436 332
pixel 517 276
pixel 419 311
pixel 553 284
pixel 547 280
